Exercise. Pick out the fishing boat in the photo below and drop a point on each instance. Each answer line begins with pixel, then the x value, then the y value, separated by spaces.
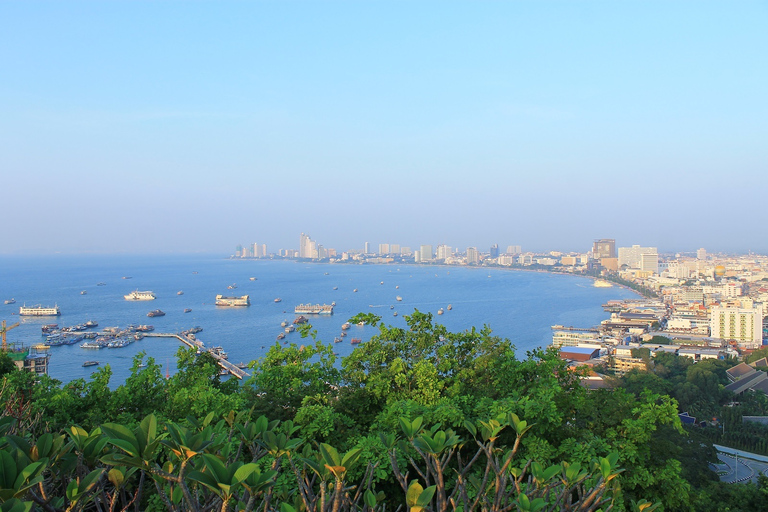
pixel 355 341
pixel 449 307
pixel 10 301
pixel 440 311
pixel 280 336
pixel 156 312
pixel 278 299
pixel 179 292
pixel 187 310
pixel 345 326
pixel 90 363
pixel 398 298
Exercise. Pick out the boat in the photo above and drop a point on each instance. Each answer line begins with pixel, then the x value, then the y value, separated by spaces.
pixel 232 286
pixel 127 277
pixel 397 287
pixel 156 312
pixel 91 323
pixel 337 340
pixel 221 300
pixel 345 326
pixel 187 310
pixel 179 292
pixel 10 301
pixel 49 327
pixel 314 309
pixel 84 292
pixel 101 284
pixel 281 336
pixel 91 344
pixel 355 341
pixel 382 282
pixel 361 323
pixel 301 320
pixel 283 323
pixel 398 298
pixel 440 311
pixel 394 314
pixel 252 278
pixel 290 328
pixel 137 295
pixel 325 274
pixel 242 365
pixel 354 290
pixel 335 287
pixel 90 363
pixel 391 307
pixel 343 334
pixel 39 311
pixel 278 299
pixel 449 307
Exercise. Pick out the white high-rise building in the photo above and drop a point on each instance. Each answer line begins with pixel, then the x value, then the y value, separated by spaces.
pixel 701 254
pixel 394 248
pixel 743 325
pixel 649 262
pixel 513 249
pixel 472 255
pixel 425 253
pixel 367 247
pixel 631 256
pixel 383 248
pixel 443 252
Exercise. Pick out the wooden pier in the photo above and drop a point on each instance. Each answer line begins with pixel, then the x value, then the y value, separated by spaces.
pixel 191 341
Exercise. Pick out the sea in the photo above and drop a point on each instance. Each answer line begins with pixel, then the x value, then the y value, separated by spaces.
pixel 518 305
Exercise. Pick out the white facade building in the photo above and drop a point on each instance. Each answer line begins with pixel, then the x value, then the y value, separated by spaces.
pixel 744 325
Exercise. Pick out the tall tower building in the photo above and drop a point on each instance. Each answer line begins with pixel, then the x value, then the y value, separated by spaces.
pixel 383 249
pixel 604 248
pixel 426 253
pixel 367 247
pixel 472 255
pixel 443 252
pixel 495 251
pixel 701 254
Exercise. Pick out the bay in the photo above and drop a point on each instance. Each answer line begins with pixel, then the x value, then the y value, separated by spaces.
pixel 517 305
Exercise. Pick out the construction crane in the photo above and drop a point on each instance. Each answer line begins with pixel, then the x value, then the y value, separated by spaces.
pixel 5 329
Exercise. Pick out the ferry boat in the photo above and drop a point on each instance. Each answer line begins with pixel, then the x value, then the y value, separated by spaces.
pixel 137 295
pixel 221 300
pixel 10 301
pixel 90 363
pixel 156 312
pixel 314 309
pixel 39 311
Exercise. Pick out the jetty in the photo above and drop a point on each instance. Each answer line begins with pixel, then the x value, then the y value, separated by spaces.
pixel 190 340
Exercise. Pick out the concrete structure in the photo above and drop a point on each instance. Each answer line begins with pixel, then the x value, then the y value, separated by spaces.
pixel 383 249
pixel 743 325
pixel 443 252
pixel 425 253
pixel 604 248
pixel 649 262
pixel 632 256
pixel 472 255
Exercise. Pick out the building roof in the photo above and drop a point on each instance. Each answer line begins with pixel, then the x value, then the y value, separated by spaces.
pixel 747 382
pixel 760 363
pixel 739 371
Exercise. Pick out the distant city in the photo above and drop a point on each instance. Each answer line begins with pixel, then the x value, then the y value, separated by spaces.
pixel 697 304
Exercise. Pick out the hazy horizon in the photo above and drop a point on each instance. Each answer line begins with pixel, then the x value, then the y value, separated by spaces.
pixel 192 127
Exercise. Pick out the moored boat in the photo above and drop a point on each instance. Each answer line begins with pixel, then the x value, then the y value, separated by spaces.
pixel 90 363
pixel 137 295
pixel 10 301
pixel 39 311
pixel 355 341
pixel 156 312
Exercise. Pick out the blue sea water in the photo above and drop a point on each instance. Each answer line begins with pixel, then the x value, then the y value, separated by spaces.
pixel 517 305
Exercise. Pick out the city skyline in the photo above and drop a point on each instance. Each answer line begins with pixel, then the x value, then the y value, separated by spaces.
pixel 175 127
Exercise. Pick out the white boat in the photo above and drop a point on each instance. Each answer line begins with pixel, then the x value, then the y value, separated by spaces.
pixel 137 295
pixel 10 301
pixel 221 300
pixel 398 298
pixel 179 292
pixel 39 311
pixel 440 311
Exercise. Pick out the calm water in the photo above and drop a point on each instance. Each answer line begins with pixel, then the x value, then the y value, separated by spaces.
pixel 517 305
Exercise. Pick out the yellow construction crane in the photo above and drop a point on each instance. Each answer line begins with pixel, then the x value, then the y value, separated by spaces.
pixel 5 329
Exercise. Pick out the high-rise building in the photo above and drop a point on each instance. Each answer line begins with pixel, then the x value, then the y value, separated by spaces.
pixel 472 255
pixel 443 252
pixel 701 254
pixel 394 248
pixel 383 248
pixel 367 247
pixel 743 325
pixel 425 253
pixel 604 248
pixel 631 256
pixel 649 262
pixel 307 247
pixel 514 249
pixel 495 251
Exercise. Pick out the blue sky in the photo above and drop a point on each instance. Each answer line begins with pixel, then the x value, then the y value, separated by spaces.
pixel 194 126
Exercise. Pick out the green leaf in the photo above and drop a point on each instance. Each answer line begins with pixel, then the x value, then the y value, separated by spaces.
pixel 244 472
pixel 426 496
pixel 7 470
pixel 369 498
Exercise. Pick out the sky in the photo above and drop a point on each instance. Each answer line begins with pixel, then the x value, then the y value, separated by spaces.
pixel 179 127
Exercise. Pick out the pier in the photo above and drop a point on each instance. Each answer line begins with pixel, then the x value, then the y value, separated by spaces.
pixel 191 341
pixel 571 328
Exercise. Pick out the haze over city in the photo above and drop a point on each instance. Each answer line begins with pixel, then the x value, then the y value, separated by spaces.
pixel 135 127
